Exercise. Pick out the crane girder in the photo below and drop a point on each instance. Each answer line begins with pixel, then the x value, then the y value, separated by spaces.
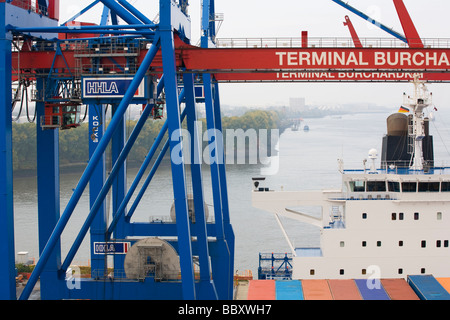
pixel 274 64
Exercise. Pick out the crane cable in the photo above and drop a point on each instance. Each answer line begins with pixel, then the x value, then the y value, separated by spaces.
pixel 27 84
pixel 15 100
pixel 22 90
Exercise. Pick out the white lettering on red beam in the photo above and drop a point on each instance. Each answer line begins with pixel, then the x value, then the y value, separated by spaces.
pixel 348 75
pixel 380 58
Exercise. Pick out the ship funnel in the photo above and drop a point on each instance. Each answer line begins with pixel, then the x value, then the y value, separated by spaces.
pixel 398 143
pixel 397 124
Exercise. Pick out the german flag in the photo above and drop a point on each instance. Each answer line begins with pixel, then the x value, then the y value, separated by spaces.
pixel 403 109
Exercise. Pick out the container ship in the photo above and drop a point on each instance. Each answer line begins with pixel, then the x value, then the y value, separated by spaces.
pixel 390 223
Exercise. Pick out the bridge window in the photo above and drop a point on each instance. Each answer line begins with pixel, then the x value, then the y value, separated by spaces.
pixel 428 186
pixel 357 186
pixel 376 186
pixel 409 186
pixel 393 186
pixel 445 186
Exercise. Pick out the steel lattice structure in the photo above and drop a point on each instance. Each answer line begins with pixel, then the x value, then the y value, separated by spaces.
pixel 135 62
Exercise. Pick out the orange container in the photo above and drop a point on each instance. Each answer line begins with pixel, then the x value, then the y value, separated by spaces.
pixel 316 290
pixel 261 290
pixel 344 290
pixel 398 289
pixel 445 282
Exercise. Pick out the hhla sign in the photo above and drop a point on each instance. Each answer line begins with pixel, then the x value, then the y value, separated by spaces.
pixel 109 87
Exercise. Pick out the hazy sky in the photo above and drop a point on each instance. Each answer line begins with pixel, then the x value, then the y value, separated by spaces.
pixel 321 18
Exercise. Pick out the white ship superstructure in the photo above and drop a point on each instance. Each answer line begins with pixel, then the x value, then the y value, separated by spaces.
pixel 384 223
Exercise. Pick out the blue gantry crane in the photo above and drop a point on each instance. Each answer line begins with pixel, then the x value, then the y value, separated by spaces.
pixel 113 65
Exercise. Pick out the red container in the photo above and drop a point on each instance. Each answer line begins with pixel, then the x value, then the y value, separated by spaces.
pixel 398 289
pixel 261 290
pixel 53 9
pixel 316 290
pixel 344 290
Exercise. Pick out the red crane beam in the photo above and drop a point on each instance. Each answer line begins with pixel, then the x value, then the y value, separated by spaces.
pixel 34 60
pixel 411 34
pixel 278 64
pixel 331 59
pixel 332 77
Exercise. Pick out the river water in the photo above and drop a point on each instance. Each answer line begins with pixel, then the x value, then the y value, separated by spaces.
pixel 307 161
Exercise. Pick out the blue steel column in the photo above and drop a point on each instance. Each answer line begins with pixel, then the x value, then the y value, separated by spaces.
pixel 207 289
pixel 220 256
pixel 119 185
pixel 7 268
pixel 47 142
pixel 178 172
pixel 97 231
pixel 229 233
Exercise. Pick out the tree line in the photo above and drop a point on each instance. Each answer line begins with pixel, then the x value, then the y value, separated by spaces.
pixel 74 143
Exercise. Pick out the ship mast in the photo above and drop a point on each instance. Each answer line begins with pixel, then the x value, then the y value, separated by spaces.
pixel 416 130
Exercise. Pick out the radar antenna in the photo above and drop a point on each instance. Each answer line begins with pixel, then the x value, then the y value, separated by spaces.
pixel 420 100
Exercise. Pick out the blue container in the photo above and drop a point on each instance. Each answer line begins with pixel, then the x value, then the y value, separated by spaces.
pixel 428 288
pixel 288 290
pixel 370 290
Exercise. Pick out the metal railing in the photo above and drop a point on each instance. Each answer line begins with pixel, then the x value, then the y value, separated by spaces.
pixel 30 5
pixel 402 167
pixel 325 43
pixel 112 48
pixel 167 219
pixel 105 69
